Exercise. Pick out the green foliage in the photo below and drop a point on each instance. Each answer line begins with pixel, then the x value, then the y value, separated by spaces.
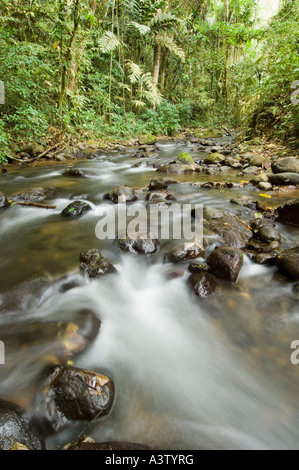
pixel 127 68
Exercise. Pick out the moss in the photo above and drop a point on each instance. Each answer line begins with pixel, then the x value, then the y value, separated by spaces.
pixel 147 139
pixel 185 158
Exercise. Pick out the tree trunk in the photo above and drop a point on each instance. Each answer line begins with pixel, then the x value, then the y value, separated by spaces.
pixel 163 68
pixel 157 60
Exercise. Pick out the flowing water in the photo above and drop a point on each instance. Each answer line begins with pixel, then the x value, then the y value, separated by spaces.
pixel 189 373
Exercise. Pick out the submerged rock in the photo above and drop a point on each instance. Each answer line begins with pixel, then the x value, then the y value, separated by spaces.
pixel 75 209
pixel 94 264
pixel 226 263
pixel 74 172
pixel 16 426
pixel 72 394
pixel 58 340
pixel 36 195
pixel 4 203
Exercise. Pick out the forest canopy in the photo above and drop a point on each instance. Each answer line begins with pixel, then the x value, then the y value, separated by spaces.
pixel 120 68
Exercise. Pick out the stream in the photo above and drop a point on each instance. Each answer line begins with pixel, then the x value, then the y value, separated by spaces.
pixel 189 373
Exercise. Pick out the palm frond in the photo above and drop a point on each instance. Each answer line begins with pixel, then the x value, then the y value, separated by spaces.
pixel 109 42
pixel 141 28
pixel 135 71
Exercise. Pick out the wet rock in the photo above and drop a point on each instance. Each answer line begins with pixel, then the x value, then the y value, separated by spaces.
pixel 203 284
pixel 265 258
pixel 260 178
pixel 75 209
pixel 264 186
pixel 16 426
pixel 231 231
pixel 176 168
pixel 282 179
pixel 286 165
pixel 245 201
pixel 185 158
pixel 214 158
pixel 36 195
pixel 268 234
pixel 197 268
pixel 71 394
pixel 256 224
pixel 288 263
pixel 94 264
pixel 143 244
pixel 74 173
pixel 211 213
pixel 289 212
pixel 257 160
pixel 185 252
pixel 226 263
pixel 156 184
pixel 122 194
pixel 251 170
pixel 4 204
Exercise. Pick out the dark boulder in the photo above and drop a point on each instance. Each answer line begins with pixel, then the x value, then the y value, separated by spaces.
pixel 226 263
pixel 284 179
pixel 268 234
pixel 16 426
pixel 75 209
pixel 70 394
pixel 286 165
pixel 289 212
pixel 94 264
pixel 203 284
pixel 288 263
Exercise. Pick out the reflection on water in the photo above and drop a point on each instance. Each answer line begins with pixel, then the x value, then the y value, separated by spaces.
pixel 189 374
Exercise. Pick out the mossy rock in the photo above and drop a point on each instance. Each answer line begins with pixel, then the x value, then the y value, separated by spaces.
pixel 214 158
pixel 185 158
pixel 147 139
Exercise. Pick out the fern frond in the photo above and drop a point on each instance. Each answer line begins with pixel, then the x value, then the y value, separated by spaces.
pixel 141 28
pixel 135 71
pixel 109 42
pixel 138 104
pixel 170 44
